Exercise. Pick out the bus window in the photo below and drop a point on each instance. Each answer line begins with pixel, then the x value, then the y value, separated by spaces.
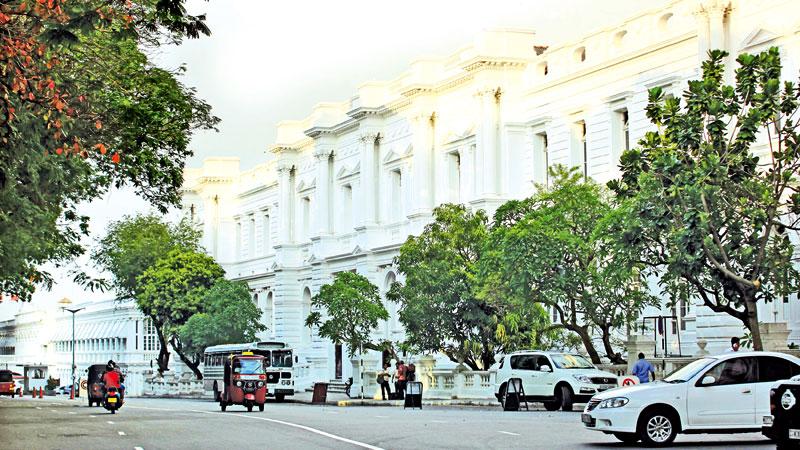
pixel 282 358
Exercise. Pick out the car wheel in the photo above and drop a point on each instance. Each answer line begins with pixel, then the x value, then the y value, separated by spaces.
pixel 216 392
pixel 657 428
pixel 628 438
pixel 566 398
pixel 222 406
pixel 261 407
pixel 552 406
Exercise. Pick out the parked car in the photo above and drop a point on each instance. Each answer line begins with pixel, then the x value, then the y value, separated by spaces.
pixel 782 425
pixel 727 393
pixel 556 379
pixel 62 390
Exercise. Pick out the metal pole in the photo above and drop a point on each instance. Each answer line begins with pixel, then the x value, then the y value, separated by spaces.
pixel 72 388
pixel 361 368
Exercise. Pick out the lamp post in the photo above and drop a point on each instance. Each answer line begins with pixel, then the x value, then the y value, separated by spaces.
pixel 65 302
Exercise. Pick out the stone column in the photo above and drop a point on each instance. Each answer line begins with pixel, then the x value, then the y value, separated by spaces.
pixel 774 336
pixel 285 202
pixel 422 160
pixel 369 178
pixel 488 139
pixel 323 210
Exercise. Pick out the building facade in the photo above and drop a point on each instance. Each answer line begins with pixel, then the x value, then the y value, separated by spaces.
pixel 346 185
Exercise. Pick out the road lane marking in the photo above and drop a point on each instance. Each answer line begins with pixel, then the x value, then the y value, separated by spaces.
pixel 53 410
pixel 381 417
pixel 508 433
pixel 438 421
pixel 121 433
pixel 92 417
pixel 110 422
pixel 38 407
pixel 138 448
pixel 71 412
pixel 301 427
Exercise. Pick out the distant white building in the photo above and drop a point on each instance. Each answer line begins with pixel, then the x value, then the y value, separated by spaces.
pixel 346 185
pixel 38 342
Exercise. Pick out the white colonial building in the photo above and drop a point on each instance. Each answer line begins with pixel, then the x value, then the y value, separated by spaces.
pixel 345 186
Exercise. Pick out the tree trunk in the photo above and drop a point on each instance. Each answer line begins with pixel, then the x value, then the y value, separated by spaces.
pixel 193 364
pixel 163 352
pixel 615 358
pixel 587 343
pixel 751 308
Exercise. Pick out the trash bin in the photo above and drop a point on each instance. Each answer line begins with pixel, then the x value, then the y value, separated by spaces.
pixel 413 397
pixel 320 393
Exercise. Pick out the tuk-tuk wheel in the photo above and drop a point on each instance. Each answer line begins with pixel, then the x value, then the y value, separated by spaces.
pixel 113 411
pixel 222 406
pixel 261 407
pixel 250 408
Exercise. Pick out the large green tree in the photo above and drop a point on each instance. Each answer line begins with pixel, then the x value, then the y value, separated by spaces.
pixel 134 244
pixel 442 305
pixel 713 192
pixel 82 110
pixel 172 291
pixel 557 249
pixel 228 315
pixel 352 310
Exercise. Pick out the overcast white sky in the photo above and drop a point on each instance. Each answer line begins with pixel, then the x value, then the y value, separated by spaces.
pixel 268 61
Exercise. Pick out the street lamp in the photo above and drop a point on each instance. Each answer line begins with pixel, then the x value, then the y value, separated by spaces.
pixel 66 302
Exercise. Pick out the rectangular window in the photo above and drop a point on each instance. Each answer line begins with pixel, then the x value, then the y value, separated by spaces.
pixel 454 176
pixel 306 204
pixel 541 159
pixel 267 231
pixel 396 208
pixel 626 134
pixel 578 147
pixel 149 337
pixel 584 149
pixel 347 208
pixel 251 237
pixel 238 238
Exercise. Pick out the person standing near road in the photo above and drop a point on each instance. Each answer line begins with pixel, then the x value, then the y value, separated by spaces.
pixel 642 369
pixel 383 380
pixel 400 384
pixel 735 344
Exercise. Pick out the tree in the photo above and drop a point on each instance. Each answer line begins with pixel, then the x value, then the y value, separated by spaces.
pixel 441 303
pixel 555 249
pixel 82 109
pixel 228 316
pixel 714 193
pixel 172 291
pixel 353 308
pixel 134 244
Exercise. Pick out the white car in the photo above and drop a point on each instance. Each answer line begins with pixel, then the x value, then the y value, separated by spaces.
pixel 727 393
pixel 556 379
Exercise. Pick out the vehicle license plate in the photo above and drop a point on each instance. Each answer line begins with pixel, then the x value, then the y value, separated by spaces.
pixel 794 434
pixel 112 399
pixel 587 418
pixel 605 387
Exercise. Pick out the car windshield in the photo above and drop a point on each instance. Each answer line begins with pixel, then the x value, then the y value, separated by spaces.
pixel 567 361
pixel 688 371
pixel 6 377
pixel 281 358
pixel 248 366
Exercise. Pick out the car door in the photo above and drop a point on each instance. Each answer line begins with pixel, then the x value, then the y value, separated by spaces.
pixel 522 367
pixel 729 400
pixel 545 381
pixel 770 370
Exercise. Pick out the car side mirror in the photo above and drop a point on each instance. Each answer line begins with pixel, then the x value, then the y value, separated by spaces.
pixel 708 380
pixel 545 368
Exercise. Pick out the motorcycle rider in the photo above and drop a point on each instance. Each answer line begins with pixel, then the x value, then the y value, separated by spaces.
pixel 112 377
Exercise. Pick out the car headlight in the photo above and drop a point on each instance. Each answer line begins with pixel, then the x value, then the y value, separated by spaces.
pixel 615 402
pixel 582 378
pixel 260 384
pixel 239 383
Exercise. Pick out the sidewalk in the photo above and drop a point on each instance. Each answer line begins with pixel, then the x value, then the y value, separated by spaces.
pixel 337 399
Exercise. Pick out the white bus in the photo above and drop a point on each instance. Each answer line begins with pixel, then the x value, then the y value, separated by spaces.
pixel 279 357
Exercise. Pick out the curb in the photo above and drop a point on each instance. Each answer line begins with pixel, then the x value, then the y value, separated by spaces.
pixel 398 403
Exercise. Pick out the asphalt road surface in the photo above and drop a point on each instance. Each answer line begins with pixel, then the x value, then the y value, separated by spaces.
pixel 196 424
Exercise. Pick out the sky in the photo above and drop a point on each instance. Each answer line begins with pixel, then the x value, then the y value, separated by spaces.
pixel 268 61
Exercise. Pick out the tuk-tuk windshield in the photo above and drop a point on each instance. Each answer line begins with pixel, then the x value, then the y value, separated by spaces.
pixel 248 366
pixel 281 358
pixel 6 377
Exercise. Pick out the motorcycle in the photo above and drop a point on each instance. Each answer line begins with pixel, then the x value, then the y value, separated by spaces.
pixel 112 400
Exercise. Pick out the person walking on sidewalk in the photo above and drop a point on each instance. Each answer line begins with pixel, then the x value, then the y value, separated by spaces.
pixel 383 380
pixel 400 384
pixel 643 369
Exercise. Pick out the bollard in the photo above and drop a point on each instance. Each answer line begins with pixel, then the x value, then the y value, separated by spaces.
pixel 33 392
pixel 41 392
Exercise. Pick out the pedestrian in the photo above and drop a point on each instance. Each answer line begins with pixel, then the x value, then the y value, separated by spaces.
pixel 383 380
pixel 642 369
pixel 411 372
pixel 735 344
pixel 400 384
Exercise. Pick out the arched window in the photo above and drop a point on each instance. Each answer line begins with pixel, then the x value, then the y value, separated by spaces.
pixel 269 314
pixel 393 324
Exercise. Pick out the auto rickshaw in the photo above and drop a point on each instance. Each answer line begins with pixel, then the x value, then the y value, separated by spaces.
pixel 245 382
pixel 7 386
pixel 95 388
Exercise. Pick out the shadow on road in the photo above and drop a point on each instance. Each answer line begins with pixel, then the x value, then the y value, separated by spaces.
pixel 689 444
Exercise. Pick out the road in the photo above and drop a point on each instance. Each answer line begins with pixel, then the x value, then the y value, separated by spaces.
pixel 196 424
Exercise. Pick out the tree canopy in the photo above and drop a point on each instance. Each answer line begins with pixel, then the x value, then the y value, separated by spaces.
pixel 352 310
pixel 713 194
pixel 82 110
pixel 228 315
pixel 172 290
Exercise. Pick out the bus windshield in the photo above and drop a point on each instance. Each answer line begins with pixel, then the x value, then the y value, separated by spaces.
pixel 6 377
pixel 248 366
pixel 282 358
